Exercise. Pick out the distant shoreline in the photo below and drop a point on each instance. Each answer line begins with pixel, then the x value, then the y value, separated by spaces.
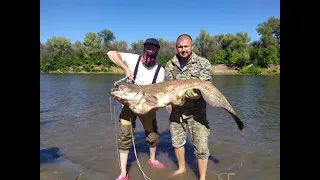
pixel 216 70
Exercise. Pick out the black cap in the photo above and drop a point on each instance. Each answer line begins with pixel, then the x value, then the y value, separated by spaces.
pixel 152 41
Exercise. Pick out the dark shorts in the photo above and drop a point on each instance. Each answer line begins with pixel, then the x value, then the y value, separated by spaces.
pixel 128 123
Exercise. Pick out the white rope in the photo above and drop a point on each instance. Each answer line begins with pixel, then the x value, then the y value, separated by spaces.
pixel 135 153
pixel 112 112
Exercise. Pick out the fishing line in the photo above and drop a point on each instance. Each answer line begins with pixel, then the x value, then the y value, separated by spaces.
pixel 135 153
pixel 112 114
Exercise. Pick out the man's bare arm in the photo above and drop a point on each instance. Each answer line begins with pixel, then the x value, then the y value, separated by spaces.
pixel 115 57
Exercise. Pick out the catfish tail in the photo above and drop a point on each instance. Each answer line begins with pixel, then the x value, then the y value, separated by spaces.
pixel 216 99
pixel 237 119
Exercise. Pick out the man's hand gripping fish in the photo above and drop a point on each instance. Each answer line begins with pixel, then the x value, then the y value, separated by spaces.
pixel 143 98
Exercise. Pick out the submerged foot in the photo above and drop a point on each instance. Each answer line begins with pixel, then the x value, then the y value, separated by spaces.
pixel 178 172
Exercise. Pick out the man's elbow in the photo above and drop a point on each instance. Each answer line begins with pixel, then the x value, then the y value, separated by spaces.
pixel 110 53
pixel 114 54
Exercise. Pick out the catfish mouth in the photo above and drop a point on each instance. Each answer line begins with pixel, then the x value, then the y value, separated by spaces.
pixel 117 93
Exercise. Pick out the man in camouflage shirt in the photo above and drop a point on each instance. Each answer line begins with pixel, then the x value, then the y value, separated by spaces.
pixel 192 115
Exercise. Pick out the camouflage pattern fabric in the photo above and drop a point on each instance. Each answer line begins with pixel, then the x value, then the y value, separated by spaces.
pixel 196 68
pixel 198 132
pixel 192 115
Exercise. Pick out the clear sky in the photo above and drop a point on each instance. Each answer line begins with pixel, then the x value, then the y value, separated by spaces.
pixel 132 20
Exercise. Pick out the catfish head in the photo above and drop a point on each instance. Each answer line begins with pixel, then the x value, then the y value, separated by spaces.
pixel 126 93
pixel 134 97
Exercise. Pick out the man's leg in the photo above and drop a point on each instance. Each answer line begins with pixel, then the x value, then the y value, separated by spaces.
pixel 127 121
pixel 123 163
pixel 125 142
pixel 199 136
pixel 149 123
pixel 202 163
pixel 179 152
pixel 178 137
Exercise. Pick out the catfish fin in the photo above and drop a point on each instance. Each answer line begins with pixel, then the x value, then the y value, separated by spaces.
pixel 151 100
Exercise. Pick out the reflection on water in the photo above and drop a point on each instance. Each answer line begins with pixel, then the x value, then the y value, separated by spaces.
pixel 75 118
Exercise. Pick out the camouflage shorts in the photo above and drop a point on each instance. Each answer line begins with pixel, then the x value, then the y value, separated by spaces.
pixel 198 132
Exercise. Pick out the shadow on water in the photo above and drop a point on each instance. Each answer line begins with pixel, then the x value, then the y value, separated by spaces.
pixel 47 123
pixel 49 154
pixel 63 164
pixel 45 111
pixel 165 146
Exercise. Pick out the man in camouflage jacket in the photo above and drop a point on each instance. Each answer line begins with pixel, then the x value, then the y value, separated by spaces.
pixel 192 115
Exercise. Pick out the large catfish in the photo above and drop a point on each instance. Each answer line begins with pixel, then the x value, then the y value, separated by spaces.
pixel 143 98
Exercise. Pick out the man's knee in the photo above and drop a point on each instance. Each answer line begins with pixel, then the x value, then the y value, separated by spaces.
pixel 200 143
pixel 125 122
pixel 125 137
pixel 202 152
pixel 152 139
pixel 199 138
pixel 178 135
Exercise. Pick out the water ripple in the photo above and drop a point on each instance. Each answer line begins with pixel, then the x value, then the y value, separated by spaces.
pixel 75 117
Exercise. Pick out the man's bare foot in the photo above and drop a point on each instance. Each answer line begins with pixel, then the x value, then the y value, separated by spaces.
pixel 178 172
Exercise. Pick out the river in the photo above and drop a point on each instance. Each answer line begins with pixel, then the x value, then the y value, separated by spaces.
pixel 75 119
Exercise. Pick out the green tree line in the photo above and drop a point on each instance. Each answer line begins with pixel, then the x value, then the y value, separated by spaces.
pixel 59 54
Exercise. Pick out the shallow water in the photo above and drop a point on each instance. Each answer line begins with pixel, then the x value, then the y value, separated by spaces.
pixel 75 117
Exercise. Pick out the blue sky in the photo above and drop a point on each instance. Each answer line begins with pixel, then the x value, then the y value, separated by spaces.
pixel 132 20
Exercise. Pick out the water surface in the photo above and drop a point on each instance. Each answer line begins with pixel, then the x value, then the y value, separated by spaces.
pixel 75 119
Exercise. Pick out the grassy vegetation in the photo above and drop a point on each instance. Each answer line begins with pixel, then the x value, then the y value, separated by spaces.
pixel 59 55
